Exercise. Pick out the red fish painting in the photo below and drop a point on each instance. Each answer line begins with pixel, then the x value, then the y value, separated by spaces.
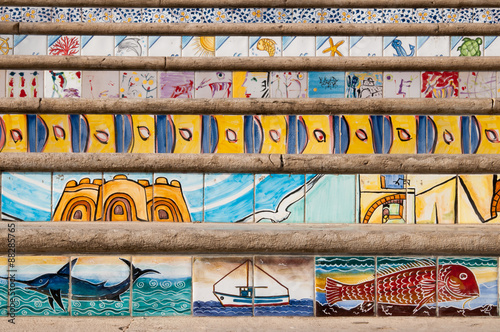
pixel 413 285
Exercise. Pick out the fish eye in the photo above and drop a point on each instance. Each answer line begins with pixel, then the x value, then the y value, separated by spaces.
pixel 220 75
pixel 463 276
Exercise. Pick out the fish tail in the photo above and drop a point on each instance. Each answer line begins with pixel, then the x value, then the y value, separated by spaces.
pixel 333 290
pixel 137 272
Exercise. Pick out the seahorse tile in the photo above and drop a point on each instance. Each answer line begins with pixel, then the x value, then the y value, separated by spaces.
pixel 289 84
pixel 16 133
pixel 158 15
pixel 173 84
pixel 247 15
pixel 399 15
pixel 491 46
pixel 165 289
pixel 248 84
pixel 467 46
pixel 214 84
pixel 131 45
pixel 433 46
pixel 66 14
pixel 6 44
pixel 98 45
pixel 364 85
pixel 477 199
pixel 330 198
pixel 440 84
pixel 39 289
pixel 63 45
pixel 427 15
pixel 218 15
pixel 231 46
pixel 368 15
pixel 22 84
pixel 127 15
pixel 365 46
pixel 277 15
pixel 401 84
pixel 100 84
pixel 400 46
pixel 326 84
pixel 97 15
pixel 299 46
pixel 265 46
pixel 190 15
pixel 478 84
pixel 26 196
pixel 90 271
pixel 164 45
pixel 457 15
pixel 332 46
pixel 36 14
pixel 272 133
pixel 138 84
pixel 198 46
pixel 340 274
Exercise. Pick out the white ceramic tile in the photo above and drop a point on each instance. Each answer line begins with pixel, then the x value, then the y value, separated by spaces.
pixel 231 46
pixel 299 46
pixel 62 84
pixel 365 46
pixel 332 46
pixel 25 83
pixel 400 46
pixel 131 45
pixel 164 45
pixel 288 85
pixel 491 46
pixel 265 46
pixel 98 45
pixel 433 46
pixel 30 45
pixel 467 46
pixel 214 84
pixel 482 84
pixel 198 46
pixel 401 84
pixel 6 44
pixel 63 45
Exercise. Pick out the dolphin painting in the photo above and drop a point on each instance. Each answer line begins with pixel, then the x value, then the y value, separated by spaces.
pixel 56 285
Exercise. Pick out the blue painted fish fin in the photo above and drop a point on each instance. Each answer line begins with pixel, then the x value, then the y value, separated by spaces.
pixel 67 267
pixel 56 295
pixel 51 302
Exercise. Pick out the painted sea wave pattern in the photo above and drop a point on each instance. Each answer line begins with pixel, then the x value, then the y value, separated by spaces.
pixel 102 307
pixel 3 297
pixel 214 308
pixel 303 307
pixel 31 303
pixel 152 297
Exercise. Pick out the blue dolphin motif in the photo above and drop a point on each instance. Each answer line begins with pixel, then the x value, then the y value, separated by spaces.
pixel 397 45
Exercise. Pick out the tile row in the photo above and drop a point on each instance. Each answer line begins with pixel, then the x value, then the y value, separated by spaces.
pixel 250 15
pixel 249 198
pixel 251 285
pixel 242 84
pixel 244 46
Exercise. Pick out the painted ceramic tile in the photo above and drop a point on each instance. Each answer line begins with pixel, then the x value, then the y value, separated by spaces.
pixel 326 84
pixel 11 14
pixel 485 135
pixel 6 44
pixel 97 15
pixel 467 46
pixel 26 196
pixel 138 133
pixel 23 84
pixel 247 15
pixel 100 84
pixel 332 46
pixel 198 46
pixel 63 84
pixel 127 15
pixel 431 198
pixel 75 196
pixel 277 15
pixel 14 129
pixel 3 81
pixel 401 84
pixel 131 45
pixel 491 45
pixel 330 198
pixel 364 85
pixel 470 134
pixel 36 14
pixel 30 45
pixel 399 15
pixel 287 85
pixel 218 15
pixel 127 197
pixel 98 45
pixel 138 84
pixel 400 46
pixel 4 292
pixel 382 199
pixel 190 15
pixel 445 134
pixel 313 15
pixel 470 286
pixel 478 84
pixel 427 15
pixel 41 287
pixel 98 133
pixel 229 198
pixel 478 199
pixel 231 46
pixel 282 286
pixel 406 286
pixel 178 197
pixel 279 198
pixel 367 15
pixel 486 15
pixel 164 288
pixel 357 134
pixel 272 133
pixel 63 45
pixel 433 46
pixel 400 134
pixel 436 84
pixel 159 15
pixel 100 285
pixel 299 46
pixel 265 46
pixel 214 84
pixel 251 84
pixel 164 45
pixel 222 286
pixel 457 15
pixel 315 134
pixel 183 133
pixel 176 84
pixel 365 46
pixel 66 14
pixel 345 286
pixel 231 134
pixel 54 133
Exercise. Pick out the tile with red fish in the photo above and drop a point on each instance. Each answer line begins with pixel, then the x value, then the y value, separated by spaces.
pixel 468 286
pixel 214 85
pixel 406 286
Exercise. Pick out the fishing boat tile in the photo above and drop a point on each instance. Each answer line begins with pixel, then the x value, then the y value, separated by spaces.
pixel 165 287
pixel 475 286
pixel 75 196
pixel 26 196
pixel 100 84
pixel 218 15
pixel 265 46
pixel 330 198
pixel 367 15
pixel 399 15
pixel 198 46
pixel 6 44
pixel 332 46
pixel 63 45
pixel 98 133
pixel 279 198
pixel 214 85
pixel 486 15
pixel 437 84
pixel 231 46
pixel 176 84
pixel 98 45
pixel 247 15
pixel 335 275
pixel 477 199
pixel 364 85
pixel 400 46
pixel 365 46
pixel 54 133
pixel 288 84
pixel 164 45
pixel 277 15
pixel 41 286
pixel 36 14
pixel 433 46
pixel 186 192
pixel 282 286
pixel 16 133
pixel 62 84
pixel 326 84
pixel 228 197
pixel 478 84
pixel 127 196
pixel 467 46
pixel 491 45
pixel 127 15
pixel 190 15
pixel 4 292
pixel 221 282
pixel 158 15
pixel 485 135
pixel 113 273
pixel 414 294
pixel 97 15
pixel 131 45
pixel 401 84
pixel 427 15
pixel 299 46
pixel 30 45
pixel 250 84
pixel 138 84
pixel 400 134
pixel 66 14
pixel 457 15
pixel 273 134
pixel 24 84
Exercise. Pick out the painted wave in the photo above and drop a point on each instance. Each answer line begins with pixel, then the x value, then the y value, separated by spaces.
pixel 102 307
pixel 214 308
pixel 152 297
pixel 302 307
pixel 31 303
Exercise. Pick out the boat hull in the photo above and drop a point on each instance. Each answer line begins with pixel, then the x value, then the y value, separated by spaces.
pixel 231 300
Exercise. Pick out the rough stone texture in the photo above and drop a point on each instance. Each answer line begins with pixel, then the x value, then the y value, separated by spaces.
pixel 370 106
pixel 191 239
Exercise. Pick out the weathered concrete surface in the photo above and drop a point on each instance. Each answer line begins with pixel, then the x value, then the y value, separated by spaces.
pixel 49 62
pixel 386 106
pixel 215 324
pixel 275 239
pixel 251 163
